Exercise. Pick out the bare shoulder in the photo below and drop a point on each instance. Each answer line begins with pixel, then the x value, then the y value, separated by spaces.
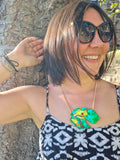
pixel 113 84
pixel 117 84
pixel 109 85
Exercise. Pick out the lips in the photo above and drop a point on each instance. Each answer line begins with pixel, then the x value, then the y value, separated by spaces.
pixel 92 63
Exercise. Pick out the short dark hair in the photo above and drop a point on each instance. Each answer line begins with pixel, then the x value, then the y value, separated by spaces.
pixel 60 58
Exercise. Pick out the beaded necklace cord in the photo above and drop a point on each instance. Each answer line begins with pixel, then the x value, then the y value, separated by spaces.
pixel 80 115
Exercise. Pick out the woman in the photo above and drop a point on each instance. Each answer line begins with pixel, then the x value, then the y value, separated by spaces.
pixel 75 111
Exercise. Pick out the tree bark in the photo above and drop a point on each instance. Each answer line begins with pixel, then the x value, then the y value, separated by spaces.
pixel 20 19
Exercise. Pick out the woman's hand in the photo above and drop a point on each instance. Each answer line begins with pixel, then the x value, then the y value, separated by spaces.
pixel 28 52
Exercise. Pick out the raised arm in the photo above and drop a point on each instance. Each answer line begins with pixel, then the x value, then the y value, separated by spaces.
pixel 17 104
pixel 27 53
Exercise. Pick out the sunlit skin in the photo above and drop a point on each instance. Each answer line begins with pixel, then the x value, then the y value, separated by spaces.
pixel 93 53
pixel 82 95
pixel 95 48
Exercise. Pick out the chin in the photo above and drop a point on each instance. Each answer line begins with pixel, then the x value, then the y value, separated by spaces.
pixel 94 71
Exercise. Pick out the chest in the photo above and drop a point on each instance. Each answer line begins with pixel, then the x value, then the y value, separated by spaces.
pixel 104 106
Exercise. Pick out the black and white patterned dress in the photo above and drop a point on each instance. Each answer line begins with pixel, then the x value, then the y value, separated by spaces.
pixel 60 141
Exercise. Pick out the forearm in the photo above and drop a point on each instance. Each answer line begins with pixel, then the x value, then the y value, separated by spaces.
pixel 27 53
pixel 4 72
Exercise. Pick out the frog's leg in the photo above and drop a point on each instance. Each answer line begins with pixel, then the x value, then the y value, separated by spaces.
pixel 85 125
pixel 76 123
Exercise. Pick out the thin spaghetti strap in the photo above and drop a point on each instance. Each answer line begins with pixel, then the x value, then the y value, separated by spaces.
pixel 47 93
pixel 118 95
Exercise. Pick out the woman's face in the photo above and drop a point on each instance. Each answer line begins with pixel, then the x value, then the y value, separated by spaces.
pixel 92 54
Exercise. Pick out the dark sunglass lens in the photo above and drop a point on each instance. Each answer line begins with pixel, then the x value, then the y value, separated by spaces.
pixel 105 32
pixel 86 32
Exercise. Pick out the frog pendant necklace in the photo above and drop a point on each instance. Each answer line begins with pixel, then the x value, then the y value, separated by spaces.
pixel 80 116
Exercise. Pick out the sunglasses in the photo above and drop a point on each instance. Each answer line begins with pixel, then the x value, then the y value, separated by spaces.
pixel 87 31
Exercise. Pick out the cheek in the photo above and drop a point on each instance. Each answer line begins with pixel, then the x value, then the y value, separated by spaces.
pixel 106 48
pixel 82 47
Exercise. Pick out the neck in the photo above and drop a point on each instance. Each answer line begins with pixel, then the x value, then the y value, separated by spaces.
pixel 87 84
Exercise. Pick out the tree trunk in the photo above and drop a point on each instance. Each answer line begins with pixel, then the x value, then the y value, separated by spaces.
pixel 20 19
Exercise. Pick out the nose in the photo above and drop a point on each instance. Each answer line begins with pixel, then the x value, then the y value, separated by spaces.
pixel 96 42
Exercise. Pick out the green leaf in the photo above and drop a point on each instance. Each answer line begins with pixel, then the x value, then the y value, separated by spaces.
pixel 117 11
pixel 109 15
pixel 112 14
pixel 113 5
pixel 109 10
pixel 101 2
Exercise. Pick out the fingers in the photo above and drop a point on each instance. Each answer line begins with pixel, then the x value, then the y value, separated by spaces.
pixel 30 39
pixel 40 58
pixel 35 42
pixel 37 47
pixel 40 55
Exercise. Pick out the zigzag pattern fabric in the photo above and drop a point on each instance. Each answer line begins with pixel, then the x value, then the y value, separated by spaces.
pixel 60 141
